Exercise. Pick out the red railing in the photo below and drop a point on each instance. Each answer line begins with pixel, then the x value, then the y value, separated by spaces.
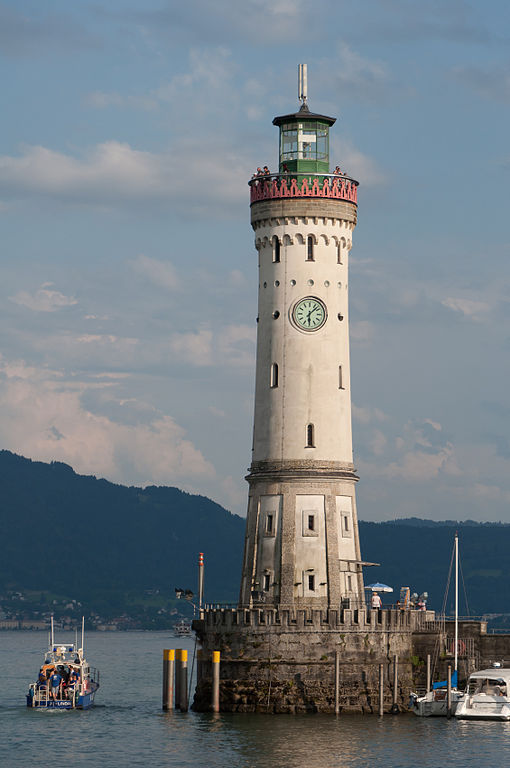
pixel 281 185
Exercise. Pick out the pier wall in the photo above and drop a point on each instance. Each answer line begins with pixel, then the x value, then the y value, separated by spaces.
pixel 283 661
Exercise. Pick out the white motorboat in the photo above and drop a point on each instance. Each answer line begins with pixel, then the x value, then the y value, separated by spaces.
pixel 66 681
pixel 434 703
pixel 486 696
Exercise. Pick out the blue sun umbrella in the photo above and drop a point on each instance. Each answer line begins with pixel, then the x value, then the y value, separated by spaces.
pixel 378 587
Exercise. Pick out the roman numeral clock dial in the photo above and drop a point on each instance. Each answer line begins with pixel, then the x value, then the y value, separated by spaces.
pixel 309 314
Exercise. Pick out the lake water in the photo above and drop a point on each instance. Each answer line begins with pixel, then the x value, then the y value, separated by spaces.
pixel 128 728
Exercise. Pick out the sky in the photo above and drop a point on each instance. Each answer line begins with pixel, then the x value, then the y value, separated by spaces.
pixel 128 295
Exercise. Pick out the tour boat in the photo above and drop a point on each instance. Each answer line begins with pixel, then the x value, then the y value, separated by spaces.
pixel 486 696
pixel 182 629
pixel 434 703
pixel 66 681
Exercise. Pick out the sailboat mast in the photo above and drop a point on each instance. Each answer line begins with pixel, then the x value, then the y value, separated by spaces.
pixel 456 597
pixel 52 632
pixel 82 634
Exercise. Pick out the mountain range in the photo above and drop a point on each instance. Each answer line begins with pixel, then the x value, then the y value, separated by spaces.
pixel 77 537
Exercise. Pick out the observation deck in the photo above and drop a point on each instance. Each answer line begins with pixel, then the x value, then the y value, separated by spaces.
pixel 303 185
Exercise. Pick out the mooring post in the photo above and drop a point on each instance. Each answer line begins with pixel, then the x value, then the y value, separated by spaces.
pixel 215 702
pixel 449 693
pixel 394 706
pixel 183 694
pixel 428 672
pixel 200 584
pixel 177 684
pixel 168 677
pixel 337 682
pixel 381 689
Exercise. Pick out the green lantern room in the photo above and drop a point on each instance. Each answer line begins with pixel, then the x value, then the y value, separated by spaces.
pixel 304 142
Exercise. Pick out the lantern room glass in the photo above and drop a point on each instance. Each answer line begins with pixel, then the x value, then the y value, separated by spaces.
pixel 304 141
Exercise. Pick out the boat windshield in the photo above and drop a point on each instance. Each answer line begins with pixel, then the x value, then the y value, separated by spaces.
pixel 490 686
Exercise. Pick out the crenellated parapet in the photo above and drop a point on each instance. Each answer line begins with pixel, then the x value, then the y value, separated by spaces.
pixel 288 185
pixel 341 620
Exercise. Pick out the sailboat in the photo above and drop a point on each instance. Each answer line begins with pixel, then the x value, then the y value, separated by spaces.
pixel 434 703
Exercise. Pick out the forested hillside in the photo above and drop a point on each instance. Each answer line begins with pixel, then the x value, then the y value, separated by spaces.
pixel 110 547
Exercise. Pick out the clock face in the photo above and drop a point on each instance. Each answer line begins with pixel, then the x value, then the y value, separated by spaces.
pixel 309 314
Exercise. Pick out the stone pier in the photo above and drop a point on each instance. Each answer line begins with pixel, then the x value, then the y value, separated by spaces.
pixel 283 661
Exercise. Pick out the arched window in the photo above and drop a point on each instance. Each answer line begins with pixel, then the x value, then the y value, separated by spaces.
pixel 274 376
pixel 276 249
pixel 310 436
pixel 309 248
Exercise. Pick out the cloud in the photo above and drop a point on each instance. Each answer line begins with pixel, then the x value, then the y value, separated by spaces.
pixel 193 348
pixel 45 299
pixel 362 331
pixel 43 416
pixel 368 414
pixel 161 273
pixel 358 77
pixel 262 22
pixel 28 33
pixel 113 174
pixel 491 82
pixel 102 100
pixel 467 307
pixel 236 345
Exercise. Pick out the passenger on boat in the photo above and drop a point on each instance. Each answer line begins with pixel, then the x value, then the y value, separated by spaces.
pixel 42 679
pixel 74 679
pixel 55 681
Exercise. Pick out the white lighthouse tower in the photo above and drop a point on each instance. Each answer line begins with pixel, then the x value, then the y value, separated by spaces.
pixel 302 546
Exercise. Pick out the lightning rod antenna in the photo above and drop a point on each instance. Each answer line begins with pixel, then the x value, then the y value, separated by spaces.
pixel 302 83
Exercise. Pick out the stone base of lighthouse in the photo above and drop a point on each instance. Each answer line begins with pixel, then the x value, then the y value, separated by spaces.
pixel 283 661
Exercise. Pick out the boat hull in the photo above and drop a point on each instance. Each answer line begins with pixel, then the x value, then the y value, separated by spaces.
pixel 84 701
pixel 488 708
pixel 433 704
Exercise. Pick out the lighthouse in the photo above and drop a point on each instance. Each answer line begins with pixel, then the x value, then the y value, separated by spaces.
pixel 301 638
pixel 302 545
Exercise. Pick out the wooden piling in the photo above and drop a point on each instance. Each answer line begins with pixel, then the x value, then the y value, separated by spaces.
pixel 215 702
pixel 337 682
pixel 168 677
pixel 449 693
pixel 381 689
pixel 177 685
pixel 394 707
pixel 183 692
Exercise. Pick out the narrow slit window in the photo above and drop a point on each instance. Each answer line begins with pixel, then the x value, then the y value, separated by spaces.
pixel 346 523
pixel 310 436
pixel 349 583
pixel 276 250
pixel 274 375
pixel 311 582
pixel 311 522
pixel 269 524
pixel 267 582
pixel 309 248
pixel 340 378
pixel 339 252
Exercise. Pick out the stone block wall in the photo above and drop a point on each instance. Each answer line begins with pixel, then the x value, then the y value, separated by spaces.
pixel 284 660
